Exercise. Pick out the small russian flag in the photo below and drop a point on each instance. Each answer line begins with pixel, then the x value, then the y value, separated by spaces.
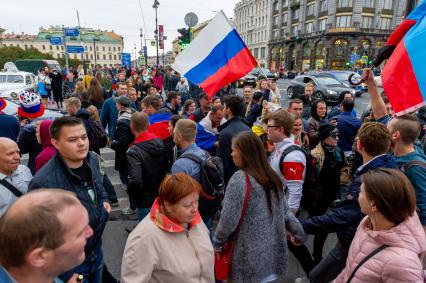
pixel 217 57
pixel 404 75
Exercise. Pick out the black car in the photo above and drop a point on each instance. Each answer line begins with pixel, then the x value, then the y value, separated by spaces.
pixel 248 79
pixel 343 77
pixel 326 88
pixel 262 72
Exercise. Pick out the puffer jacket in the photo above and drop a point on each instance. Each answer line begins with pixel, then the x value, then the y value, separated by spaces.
pixel 398 262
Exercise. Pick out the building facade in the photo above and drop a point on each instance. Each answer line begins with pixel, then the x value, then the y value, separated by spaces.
pixel 330 34
pixel 105 46
pixel 253 22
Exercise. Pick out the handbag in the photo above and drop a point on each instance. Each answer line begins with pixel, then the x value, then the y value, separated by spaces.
pixel 373 253
pixel 223 259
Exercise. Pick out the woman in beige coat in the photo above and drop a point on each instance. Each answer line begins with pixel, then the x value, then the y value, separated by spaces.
pixel 171 244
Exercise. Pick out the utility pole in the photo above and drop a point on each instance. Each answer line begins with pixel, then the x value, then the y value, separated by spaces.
pixel 65 46
pixel 81 41
pixel 155 6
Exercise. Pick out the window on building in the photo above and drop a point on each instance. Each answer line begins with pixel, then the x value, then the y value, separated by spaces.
pixel 119 55
pixel 113 48
pixel 284 31
pixel 285 18
pixel 285 3
pixel 256 53
pixel 44 47
pixel 57 47
pixel 26 46
pixel 63 55
pixel 367 22
pixel 97 48
pixel 31 46
pixel 344 3
pixel 369 3
pixel 262 52
pixel 91 56
pixel 87 56
pixel 310 10
pixel 104 56
pixel 385 23
pixel 62 47
pixel 295 14
pixel 50 47
pixel 321 24
pixel 343 21
pixel 275 33
pixel 110 57
pixel 103 48
pixel 295 30
pixel 115 56
pixel 275 6
pixel 275 21
pixel 97 56
pixel 388 4
pixel 309 27
pixel 109 48
pixel 119 49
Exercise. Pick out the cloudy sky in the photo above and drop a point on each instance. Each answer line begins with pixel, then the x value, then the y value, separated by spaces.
pixel 122 16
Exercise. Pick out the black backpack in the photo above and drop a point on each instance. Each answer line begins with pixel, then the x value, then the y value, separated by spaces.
pixel 97 137
pixel 310 182
pixel 211 179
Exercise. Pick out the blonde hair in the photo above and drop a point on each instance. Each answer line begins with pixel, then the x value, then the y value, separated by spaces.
pixel 74 102
pixel 94 113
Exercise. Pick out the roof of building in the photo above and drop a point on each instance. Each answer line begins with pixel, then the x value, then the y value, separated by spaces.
pixel 12 36
pixel 87 34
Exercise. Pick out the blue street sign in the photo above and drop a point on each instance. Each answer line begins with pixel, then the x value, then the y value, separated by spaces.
pixel 145 52
pixel 75 49
pixel 72 32
pixel 56 40
pixel 126 59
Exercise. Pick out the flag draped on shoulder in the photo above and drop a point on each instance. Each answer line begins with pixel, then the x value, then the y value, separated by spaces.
pixel 216 57
pixel 404 75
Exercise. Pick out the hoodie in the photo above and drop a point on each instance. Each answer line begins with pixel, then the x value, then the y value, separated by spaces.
pixel 417 177
pixel 398 262
pixel 48 150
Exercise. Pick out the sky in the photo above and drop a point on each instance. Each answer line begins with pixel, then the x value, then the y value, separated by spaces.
pixel 122 16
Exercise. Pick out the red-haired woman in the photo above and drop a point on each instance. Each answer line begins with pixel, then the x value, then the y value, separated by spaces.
pixel 171 244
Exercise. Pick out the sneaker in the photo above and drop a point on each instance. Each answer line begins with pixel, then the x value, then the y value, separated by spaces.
pixel 114 203
pixel 128 211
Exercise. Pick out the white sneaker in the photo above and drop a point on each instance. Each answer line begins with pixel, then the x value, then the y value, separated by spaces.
pixel 128 211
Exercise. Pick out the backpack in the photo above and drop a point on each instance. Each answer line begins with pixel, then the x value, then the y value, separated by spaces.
pixel 404 168
pixel 97 137
pixel 211 179
pixel 310 190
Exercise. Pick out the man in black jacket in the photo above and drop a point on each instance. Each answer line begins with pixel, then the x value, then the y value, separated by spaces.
pixel 75 169
pixel 373 143
pixel 234 106
pixel 147 165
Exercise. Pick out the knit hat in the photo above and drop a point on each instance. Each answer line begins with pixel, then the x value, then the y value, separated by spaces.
pixel 30 105
pixel 325 130
pixel 2 104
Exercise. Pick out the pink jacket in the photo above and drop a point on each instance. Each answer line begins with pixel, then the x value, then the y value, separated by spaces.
pixel 399 262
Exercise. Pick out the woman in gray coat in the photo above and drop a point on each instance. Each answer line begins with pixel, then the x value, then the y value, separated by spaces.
pixel 260 253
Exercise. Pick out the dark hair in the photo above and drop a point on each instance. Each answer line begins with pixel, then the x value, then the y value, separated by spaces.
pixel 174 119
pixel 186 105
pixel 215 98
pixel 255 163
pixel 375 138
pixel 216 108
pixel 235 104
pixel 348 105
pixel 140 121
pixel 314 109
pixel 257 96
pixel 408 127
pixel 203 95
pixel 95 91
pixel 65 121
pixel 283 118
pixel 391 192
pixel 294 101
pixel 153 101
pixel 172 95
pixel 342 96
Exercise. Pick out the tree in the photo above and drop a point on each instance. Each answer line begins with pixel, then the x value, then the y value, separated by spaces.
pixel 13 53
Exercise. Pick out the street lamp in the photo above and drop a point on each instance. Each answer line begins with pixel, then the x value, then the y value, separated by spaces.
pixel 155 6
pixel 95 38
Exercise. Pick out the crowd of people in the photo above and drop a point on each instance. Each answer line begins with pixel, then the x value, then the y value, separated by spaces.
pixel 204 174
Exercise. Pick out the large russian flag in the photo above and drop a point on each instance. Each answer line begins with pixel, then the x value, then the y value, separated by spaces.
pixel 217 56
pixel 404 75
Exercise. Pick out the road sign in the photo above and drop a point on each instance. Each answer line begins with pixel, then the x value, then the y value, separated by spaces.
pixel 71 31
pixel 364 59
pixel 191 20
pixel 153 43
pixel 185 45
pixel 145 51
pixel 126 59
pixel 75 49
pixel 56 40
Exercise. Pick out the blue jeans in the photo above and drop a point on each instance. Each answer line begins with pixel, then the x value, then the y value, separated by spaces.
pixel 142 212
pixel 91 268
pixel 331 266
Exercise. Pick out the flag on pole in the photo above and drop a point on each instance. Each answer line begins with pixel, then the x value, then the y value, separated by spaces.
pixel 404 75
pixel 216 57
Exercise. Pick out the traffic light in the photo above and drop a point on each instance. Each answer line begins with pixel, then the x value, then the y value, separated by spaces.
pixel 348 64
pixel 297 38
pixel 185 37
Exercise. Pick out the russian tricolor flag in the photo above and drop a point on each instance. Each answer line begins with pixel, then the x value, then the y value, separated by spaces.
pixel 217 57
pixel 404 75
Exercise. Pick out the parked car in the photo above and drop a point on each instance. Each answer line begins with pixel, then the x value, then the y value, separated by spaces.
pixel 262 72
pixel 248 79
pixel 33 65
pixel 343 76
pixel 326 88
pixel 12 84
pixel 12 109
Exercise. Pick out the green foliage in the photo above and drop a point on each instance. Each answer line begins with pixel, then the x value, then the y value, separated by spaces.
pixel 13 53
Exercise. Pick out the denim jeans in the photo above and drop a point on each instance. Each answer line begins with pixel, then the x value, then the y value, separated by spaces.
pixel 142 212
pixel 331 266
pixel 91 268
